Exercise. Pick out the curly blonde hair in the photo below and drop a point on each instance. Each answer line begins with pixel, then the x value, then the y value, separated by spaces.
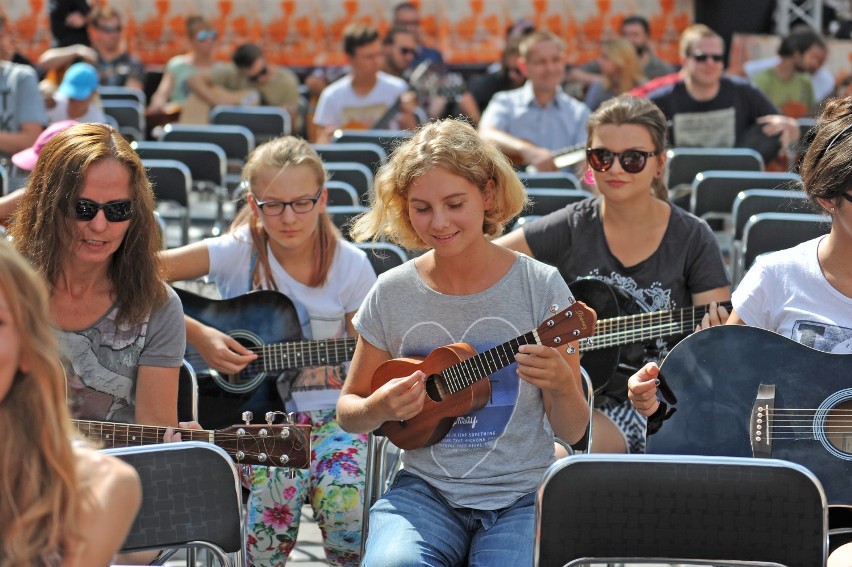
pixel 451 144
pixel 39 489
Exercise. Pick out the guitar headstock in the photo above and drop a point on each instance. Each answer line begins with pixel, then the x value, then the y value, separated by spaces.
pixel 284 445
pixel 577 321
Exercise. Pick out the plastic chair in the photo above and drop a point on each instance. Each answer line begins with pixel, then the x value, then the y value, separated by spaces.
pixel 341 193
pixel 546 201
pixel 383 255
pixel 130 115
pixel 191 498
pixel 370 154
pixel 387 139
pixel 550 180
pixel 187 393
pixel 342 216
pixel 107 92
pixel 265 122
pixel 4 180
pixel 679 509
pixel 768 232
pixel 172 182
pixel 356 174
pixel 684 164
pixel 236 141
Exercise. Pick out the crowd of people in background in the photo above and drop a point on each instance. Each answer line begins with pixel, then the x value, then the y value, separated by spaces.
pixel 82 214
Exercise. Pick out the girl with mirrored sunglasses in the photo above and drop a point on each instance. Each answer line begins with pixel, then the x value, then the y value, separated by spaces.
pixel 86 222
pixel 654 255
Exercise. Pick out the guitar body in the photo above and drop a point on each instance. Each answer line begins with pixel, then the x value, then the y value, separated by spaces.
pixel 715 375
pixel 256 318
pixel 439 413
pixel 601 364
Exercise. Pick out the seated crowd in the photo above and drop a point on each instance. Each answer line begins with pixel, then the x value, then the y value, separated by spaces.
pixel 86 279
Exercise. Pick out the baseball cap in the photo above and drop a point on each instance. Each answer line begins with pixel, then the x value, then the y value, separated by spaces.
pixel 26 159
pixel 79 81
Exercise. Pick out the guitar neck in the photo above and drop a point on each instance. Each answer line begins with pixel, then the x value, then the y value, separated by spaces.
pixel 113 435
pixel 298 354
pixel 642 327
pixel 463 374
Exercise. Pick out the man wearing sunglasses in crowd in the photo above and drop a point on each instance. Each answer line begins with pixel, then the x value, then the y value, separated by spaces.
pixel 399 47
pixel 532 123
pixel 482 88
pixel 707 109
pixel 115 66
pixel 249 79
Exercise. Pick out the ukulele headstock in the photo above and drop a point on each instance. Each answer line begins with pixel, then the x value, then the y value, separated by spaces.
pixel 577 321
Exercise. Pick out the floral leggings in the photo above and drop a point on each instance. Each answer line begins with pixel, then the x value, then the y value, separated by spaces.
pixel 334 486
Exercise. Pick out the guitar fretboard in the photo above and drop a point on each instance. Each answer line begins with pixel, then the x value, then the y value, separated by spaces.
pixel 298 354
pixel 463 374
pixel 128 435
pixel 642 327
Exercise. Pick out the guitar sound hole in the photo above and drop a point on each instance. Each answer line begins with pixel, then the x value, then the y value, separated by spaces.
pixel 436 388
pixel 839 426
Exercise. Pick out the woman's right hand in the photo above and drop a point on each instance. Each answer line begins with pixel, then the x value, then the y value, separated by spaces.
pixel 642 389
pixel 401 398
pixel 222 352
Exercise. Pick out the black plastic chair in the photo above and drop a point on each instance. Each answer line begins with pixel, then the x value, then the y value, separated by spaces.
pixel 769 232
pixel 265 122
pixel 107 92
pixel 172 182
pixel 383 255
pixel 550 180
pixel 684 164
pixel 342 216
pixel 679 509
pixel 387 139
pixel 370 154
pixel 546 201
pixel 341 194
pixel 236 141
pixel 130 115
pixel 191 498
pixel 356 174
pixel 4 180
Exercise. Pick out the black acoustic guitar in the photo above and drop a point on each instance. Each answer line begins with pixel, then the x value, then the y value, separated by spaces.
pixel 746 392
pixel 267 323
pixel 622 330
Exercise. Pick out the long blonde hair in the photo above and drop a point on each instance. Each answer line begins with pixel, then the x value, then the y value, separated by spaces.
pixel 280 153
pixel 451 144
pixel 39 490
pixel 623 55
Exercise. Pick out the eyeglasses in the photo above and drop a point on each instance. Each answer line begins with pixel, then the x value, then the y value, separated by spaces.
pixel 204 35
pixel 109 29
pixel 847 196
pixel 702 57
pixel 114 211
pixel 408 51
pixel 276 208
pixel 632 161
pixel 257 76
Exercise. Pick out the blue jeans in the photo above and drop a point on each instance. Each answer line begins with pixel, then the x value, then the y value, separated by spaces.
pixel 413 525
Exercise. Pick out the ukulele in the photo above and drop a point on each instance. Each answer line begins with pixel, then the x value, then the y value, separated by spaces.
pixel 455 375
pixel 284 445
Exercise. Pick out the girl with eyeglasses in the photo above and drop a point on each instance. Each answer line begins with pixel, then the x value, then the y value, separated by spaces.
pixel 284 240
pixel 63 503
pixel 656 255
pixel 86 222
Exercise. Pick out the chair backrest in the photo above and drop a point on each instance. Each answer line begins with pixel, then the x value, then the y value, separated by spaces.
pixel 107 92
pixel 370 154
pixel 4 180
pixel 768 232
pixel 206 162
pixel 545 201
pixel 130 115
pixel 341 216
pixel 714 191
pixel 753 201
pixel 187 393
pixel 550 180
pixel 383 255
pixel 717 510
pixel 341 193
pixel 387 139
pixel 265 122
pixel 684 164
pixel 236 141
pixel 170 179
pixel 191 494
pixel 356 174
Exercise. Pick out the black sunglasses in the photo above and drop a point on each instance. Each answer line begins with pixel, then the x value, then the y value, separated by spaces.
pixel 702 57
pixel 408 51
pixel 847 196
pixel 632 161
pixel 256 77
pixel 114 211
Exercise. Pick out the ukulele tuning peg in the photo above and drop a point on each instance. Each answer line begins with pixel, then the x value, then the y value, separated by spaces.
pixel 554 308
pixel 576 332
pixel 569 314
pixel 570 350
pixel 557 340
pixel 247 417
pixel 550 323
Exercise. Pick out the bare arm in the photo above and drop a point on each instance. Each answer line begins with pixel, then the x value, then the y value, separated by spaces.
pixel 359 410
pixel 469 107
pixel 156 395
pixel 515 240
pixel 164 90
pixel 56 57
pixel 202 85
pixel 716 315
pixel 14 142
pixel 112 498
pixel 518 149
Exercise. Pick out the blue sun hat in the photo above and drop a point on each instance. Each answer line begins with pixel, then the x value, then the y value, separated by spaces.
pixel 79 81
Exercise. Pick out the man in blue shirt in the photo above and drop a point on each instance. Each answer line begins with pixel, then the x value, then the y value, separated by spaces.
pixel 533 123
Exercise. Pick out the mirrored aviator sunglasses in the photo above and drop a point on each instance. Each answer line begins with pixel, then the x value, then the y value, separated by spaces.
pixel 115 211
pixel 632 161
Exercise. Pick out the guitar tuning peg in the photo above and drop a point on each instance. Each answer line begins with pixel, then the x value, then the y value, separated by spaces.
pixel 269 417
pixel 554 308
pixel 284 460
pixel 247 417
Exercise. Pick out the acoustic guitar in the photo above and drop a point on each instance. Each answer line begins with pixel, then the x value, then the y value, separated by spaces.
pixel 622 329
pixel 747 392
pixel 456 376
pixel 281 445
pixel 267 323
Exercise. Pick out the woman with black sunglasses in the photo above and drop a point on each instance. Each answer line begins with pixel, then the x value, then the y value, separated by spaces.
pixel 86 223
pixel 630 237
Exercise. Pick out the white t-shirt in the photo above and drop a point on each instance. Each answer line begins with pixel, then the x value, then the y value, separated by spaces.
pixel 787 292
pixel 340 106
pixel 60 111
pixel 322 310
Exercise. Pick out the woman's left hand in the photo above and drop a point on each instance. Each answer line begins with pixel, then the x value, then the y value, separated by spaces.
pixel 544 368
pixel 172 435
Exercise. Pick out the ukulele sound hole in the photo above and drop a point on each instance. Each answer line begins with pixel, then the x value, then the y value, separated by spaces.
pixel 436 388
pixel 839 426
